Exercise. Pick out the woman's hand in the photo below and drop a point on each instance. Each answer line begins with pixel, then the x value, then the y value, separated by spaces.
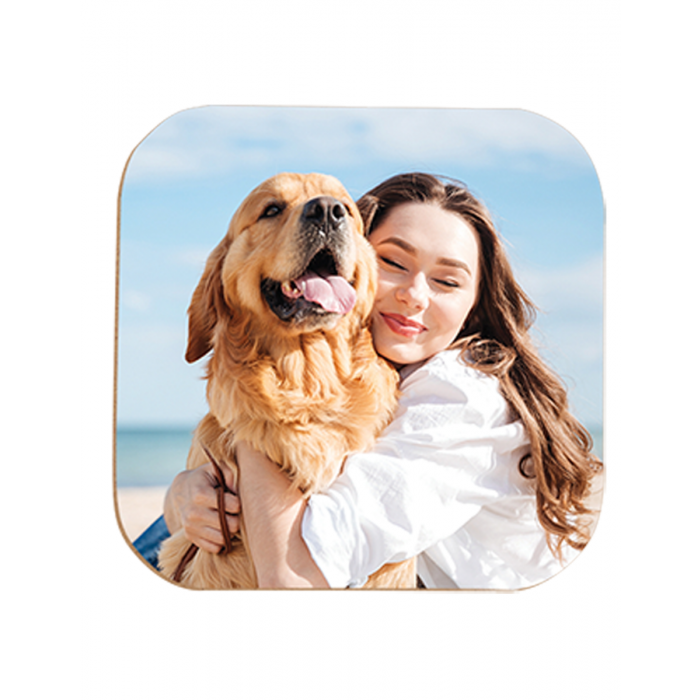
pixel 191 503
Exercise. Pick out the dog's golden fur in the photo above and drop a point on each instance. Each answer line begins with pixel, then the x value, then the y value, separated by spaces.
pixel 306 390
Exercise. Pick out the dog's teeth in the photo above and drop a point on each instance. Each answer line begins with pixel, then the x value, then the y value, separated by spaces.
pixel 290 290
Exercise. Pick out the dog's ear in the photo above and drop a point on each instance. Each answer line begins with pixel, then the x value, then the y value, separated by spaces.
pixel 207 301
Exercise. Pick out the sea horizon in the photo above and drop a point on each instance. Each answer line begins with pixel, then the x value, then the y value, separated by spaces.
pixel 151 455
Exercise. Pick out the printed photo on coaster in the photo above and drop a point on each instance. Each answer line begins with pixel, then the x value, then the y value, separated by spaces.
pixel 359 348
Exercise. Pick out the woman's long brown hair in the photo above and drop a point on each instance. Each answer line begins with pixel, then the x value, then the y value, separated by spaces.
pixel 496 340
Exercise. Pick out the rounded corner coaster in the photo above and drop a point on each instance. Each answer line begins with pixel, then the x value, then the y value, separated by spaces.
pixel 219 274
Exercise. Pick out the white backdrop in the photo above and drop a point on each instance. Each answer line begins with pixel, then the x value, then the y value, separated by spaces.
pixel 83 84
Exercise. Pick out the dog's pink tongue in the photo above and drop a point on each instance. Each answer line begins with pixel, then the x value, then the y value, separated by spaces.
pixel 333 293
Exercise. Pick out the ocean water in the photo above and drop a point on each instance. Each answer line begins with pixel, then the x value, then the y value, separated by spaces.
pixel 152 457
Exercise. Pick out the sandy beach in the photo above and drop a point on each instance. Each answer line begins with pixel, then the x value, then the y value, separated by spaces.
pixel 139 507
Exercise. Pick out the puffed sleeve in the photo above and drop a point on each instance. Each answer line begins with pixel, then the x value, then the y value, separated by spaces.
pixel 437 464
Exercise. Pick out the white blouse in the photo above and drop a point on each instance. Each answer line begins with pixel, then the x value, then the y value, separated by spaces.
pixel 442 482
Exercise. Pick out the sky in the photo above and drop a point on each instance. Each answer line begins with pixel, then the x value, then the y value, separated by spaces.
pixel 185 179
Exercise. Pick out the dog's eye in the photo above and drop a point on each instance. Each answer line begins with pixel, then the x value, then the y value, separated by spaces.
pixel 271 211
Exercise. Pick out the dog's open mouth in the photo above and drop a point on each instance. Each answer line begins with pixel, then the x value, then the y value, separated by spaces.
pixel 318 291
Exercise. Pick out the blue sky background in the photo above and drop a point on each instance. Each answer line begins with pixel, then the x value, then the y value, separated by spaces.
pixel 187 177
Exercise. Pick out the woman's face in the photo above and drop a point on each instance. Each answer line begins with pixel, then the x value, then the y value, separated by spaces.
pixel 428 281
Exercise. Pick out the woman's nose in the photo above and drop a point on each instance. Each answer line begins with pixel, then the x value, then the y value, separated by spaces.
pixel 414 292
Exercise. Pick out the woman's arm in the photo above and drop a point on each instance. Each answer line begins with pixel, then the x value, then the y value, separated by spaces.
pixel 273 512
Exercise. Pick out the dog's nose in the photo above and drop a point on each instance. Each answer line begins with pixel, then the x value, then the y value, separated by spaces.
pixel 324 211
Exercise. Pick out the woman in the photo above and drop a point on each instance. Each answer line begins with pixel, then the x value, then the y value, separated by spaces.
pixel 483 473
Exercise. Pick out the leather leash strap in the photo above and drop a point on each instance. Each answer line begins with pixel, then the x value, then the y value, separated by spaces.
pixel 221 491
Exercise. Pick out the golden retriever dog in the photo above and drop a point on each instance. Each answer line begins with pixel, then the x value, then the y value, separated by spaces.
pixel 284 304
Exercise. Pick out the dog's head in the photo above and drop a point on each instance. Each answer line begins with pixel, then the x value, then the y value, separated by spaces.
pixel 294 258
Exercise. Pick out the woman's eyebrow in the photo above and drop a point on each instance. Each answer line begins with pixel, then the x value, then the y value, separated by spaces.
pixel 400 243
pixel 453 262
pixel 449 262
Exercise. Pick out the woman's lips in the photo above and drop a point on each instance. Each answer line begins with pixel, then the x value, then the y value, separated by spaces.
pixel 402 325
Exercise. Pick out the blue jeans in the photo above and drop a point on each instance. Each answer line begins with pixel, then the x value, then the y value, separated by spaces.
pixel 148 543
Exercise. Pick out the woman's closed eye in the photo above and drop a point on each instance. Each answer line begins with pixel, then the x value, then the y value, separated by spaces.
pixel 448 283
pixel 392 263
pixel 442 282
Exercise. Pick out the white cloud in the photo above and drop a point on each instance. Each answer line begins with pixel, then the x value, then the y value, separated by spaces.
pixel 575 288
pixel 479 135
pixel 569 327
pixel 135 301
pixel 191 257
pixel 153 339
pixel 213 140
pixel 155 384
